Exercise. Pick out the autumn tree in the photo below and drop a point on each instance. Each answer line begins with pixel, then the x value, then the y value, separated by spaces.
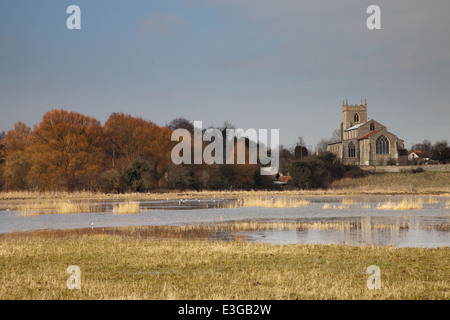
pixel 66 151
pixel 16 160
pixel 2 159
pixel 130 139
pixel 2 147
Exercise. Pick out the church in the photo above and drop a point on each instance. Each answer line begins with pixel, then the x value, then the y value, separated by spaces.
pixel 366 143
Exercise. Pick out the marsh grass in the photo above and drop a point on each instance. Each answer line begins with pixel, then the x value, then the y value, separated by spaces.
pixel 348 202
pixel 409 203
pixel 268 202
pixel 128 207
pixel 116 268
pixel 432 200
pixel 34 208
pixel 405 204
pixel 426 183
pixel 230 229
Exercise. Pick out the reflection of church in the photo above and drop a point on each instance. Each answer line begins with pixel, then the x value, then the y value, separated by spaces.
pixel 380 231
pixel 366 142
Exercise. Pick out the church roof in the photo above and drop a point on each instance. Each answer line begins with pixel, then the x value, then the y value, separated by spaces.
pixel 334 142
pixel 368 135
pixel 356 126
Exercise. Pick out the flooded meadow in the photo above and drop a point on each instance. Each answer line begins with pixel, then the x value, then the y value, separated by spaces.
pixel 400 221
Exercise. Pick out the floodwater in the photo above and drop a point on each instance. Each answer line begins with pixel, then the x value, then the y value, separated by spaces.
pixel 425 227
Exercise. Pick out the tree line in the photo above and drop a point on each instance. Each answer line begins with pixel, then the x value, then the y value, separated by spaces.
pixel 70 151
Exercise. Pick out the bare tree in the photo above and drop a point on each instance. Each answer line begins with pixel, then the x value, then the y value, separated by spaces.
pixel 441 151
pixel 335 136
pixel 181 123
pixel 323 143
pixel 426 145
pixel 300 141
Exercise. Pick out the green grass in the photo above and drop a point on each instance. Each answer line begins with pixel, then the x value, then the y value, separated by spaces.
pixel 113 267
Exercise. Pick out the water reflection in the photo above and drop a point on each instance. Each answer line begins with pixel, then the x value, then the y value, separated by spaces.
pixel 428 238
pixel 354 224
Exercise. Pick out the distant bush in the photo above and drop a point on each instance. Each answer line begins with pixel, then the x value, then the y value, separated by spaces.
pixel 418 170
pixel 316 171
pixel 391 162
pixel 139 177
pixel 321 171
pixel 110 181
pixel 352 171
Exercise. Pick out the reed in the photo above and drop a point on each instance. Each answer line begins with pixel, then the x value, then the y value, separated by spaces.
pixel 347 201
pixel 403 205
pixel 432 200
pixel 35 208
pixel 269 202
pixel 127 207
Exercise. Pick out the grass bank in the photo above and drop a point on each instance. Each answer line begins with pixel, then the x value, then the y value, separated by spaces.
pixel 395 183
pixel 113 267
pixel 425 183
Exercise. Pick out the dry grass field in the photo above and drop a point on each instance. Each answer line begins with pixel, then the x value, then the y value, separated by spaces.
pixel 113 267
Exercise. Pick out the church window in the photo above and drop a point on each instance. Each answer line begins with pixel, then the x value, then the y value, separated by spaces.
pixel 351 150
pixel 356 117
pixel 372 126
pixel 382 145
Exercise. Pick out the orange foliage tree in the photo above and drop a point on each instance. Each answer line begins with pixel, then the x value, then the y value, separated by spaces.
pixel 66 151
pixel 70 151
pixel 16 160
pixel 130 139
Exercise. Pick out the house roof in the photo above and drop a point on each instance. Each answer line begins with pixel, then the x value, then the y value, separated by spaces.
pixel 368 135
pixel 281 180
pixel 356 126
pixel 284 179
pixel 422 154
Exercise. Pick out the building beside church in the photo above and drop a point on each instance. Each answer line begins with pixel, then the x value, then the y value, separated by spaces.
pixel 366 142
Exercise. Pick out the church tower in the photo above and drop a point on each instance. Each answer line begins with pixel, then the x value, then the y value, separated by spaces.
pixel 352 115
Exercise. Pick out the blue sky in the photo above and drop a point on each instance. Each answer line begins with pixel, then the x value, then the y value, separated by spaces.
pixel 263 64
